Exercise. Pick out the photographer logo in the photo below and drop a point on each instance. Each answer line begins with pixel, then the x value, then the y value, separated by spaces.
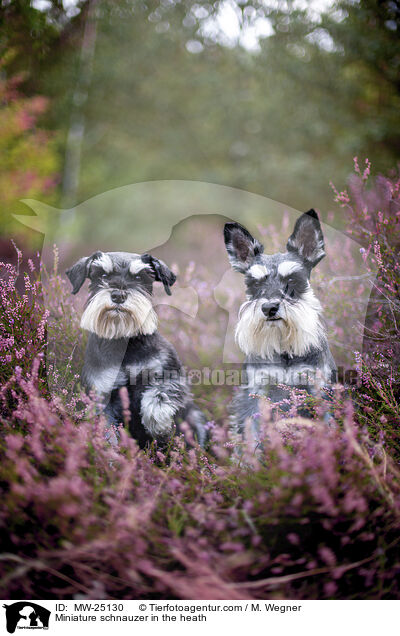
pixel 26 615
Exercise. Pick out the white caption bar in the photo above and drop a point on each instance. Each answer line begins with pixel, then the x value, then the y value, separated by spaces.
pixel 310 618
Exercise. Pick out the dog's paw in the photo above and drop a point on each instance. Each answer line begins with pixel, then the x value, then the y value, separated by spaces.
pixel 157 411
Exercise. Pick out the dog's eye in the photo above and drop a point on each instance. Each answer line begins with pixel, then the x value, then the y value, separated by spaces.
pixel 135 277
pixel 290 293
pixel 260 281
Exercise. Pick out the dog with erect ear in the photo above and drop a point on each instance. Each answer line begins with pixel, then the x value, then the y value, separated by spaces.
pixel 125 349
pixel 280 327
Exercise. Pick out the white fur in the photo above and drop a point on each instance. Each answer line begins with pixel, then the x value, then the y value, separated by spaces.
pixel 137 265
pixel 105 263
pixel 152 366
pixel 157 412
pixel 108 320
pixel 258 271
pixel 299 330
pixel 106 380
pixel 288 267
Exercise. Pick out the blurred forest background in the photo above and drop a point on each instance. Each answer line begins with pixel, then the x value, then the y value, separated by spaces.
pixel 270 96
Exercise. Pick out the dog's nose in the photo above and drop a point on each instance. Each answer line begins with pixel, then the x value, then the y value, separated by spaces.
pixel 118 296
pixel 270 309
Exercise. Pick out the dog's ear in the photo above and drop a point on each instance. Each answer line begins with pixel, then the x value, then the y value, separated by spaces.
pixel 80 271
pixel 161 271
pixel 307 239
pixel 242 248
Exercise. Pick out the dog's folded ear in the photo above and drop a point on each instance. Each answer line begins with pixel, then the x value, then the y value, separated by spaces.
pixel 307 239
pixel 242 248
pixel 161 271
pixel 79 272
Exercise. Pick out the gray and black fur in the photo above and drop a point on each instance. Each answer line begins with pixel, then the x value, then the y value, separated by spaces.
pixel 125 349
pixel 280 325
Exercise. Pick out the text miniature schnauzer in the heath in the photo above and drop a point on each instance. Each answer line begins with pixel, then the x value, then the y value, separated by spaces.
pixel 280 326
pixel 124 347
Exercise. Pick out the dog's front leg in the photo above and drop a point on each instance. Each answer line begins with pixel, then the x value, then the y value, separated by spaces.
pixel 106 383
pixel 159 405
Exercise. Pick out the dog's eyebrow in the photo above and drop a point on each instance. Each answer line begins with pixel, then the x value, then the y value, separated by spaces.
pixel 258 271
pixel 137 265
pixel 288 267
pixel 105 262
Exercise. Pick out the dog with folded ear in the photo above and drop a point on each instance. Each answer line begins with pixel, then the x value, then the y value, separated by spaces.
pixel 125 349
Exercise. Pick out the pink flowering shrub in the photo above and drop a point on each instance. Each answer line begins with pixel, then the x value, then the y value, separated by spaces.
pixel 374 220
pixel 23 323
pixel 313 513
pixel 35 332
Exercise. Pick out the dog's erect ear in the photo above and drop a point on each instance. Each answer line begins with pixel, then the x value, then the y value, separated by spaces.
pixel 161 272
pixel 307 239
pixel 242 248
pixel 79 272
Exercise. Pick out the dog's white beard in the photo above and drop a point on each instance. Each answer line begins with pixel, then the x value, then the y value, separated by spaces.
pixel 299 331
pixel 135 317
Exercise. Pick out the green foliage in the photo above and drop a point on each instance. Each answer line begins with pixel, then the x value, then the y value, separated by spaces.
pixel 31 34
pixel 28 159
pixel 162 99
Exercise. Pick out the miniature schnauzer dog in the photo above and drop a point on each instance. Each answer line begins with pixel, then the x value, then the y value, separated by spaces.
pixel 280 325
pixel 125 349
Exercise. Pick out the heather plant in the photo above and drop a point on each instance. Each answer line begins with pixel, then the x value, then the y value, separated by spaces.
pixel 313 514
pixel 23 322
pixel 312 511
pixel 38 327
pixel 373 212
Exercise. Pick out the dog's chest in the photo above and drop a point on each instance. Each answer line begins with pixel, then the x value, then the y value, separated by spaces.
pixel 144 371
pixel 113 364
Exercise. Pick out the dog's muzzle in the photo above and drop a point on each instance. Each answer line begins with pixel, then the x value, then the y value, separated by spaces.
pixel 119 313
